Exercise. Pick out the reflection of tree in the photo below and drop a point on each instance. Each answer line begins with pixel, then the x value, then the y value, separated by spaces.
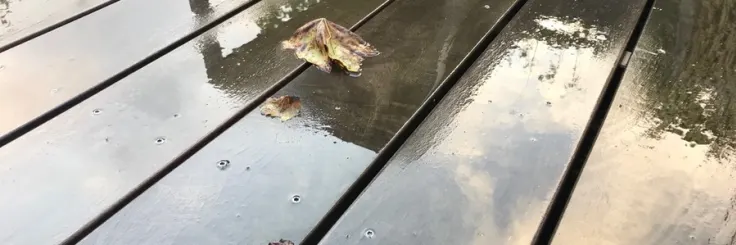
pixel 228 73
pixel 249 70
pixel 692 94
pixel 368 110
pixel 4 11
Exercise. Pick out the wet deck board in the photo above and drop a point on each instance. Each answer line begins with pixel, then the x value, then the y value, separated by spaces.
pixel 90 156
pixel 20 18
pixel 483 165
pixel 317 155
pixel 63 63
pixel 662 170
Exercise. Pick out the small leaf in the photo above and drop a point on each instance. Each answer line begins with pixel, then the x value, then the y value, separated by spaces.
pixel 321 41
pixel 284 107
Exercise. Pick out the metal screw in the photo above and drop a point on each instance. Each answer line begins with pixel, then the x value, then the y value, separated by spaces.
pixel 296 199
pixel 223 164
pixel 160 140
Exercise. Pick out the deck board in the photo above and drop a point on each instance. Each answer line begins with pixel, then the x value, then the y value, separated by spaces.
pixel 81 161
pixel 317 155
pixel 19 18
pixel 61 64
pixel 483 165
pixel 662 170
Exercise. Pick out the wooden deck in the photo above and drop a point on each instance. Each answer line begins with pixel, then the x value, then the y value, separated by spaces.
pixel 137 122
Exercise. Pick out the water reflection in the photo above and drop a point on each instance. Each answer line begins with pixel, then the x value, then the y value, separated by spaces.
pixel 489 157
pixel 228 51
pixel 662 169
pixel 22 17
pixel 365 111
pixel 532 102
pixel 692 95
pixel 553 53
pixel 4 11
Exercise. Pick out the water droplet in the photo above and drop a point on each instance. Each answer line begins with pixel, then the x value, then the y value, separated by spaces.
pixel 160 140
pixel 369 233
pixel 223 164
pixel 176 115
pixel 96 111
pixel 692 237
pixel 296 199
pixel 549 103
pixel 353 74
pixel 237 215
pixel 337 108
pixel 487 6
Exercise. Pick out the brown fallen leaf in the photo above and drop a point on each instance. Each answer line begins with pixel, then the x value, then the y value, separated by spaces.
pixel 321 41
pixel 284 107
pixel 281 242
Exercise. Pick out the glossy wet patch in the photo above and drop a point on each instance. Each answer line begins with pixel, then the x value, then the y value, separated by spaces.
pixel 321 42
pixel 284 107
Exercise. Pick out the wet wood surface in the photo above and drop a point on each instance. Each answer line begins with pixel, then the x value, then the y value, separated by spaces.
pixel 20 18
pixel 662 170
pixel 483 165
pixel 264 179
pixel 92 155
pixel 59 65
pixel 481 169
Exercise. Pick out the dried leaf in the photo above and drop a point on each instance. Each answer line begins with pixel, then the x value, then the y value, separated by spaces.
pixel 284 107
pixel 281 242
pixel 321 41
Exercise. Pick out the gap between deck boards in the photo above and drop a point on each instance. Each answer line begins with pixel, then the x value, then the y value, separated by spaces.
pixel 88 93
pixel 385 154
pixel 143 186
pixel 556 209
pixel 56 25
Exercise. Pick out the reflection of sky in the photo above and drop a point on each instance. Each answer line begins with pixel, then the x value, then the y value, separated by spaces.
pixel 642 190
pixel 71 64
pixel 536 115
pixel 19 18
pixel 104 159
pixel 486 162
pixel 645 181
pixel 198 198
pixel 85 52
pixel 234 33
